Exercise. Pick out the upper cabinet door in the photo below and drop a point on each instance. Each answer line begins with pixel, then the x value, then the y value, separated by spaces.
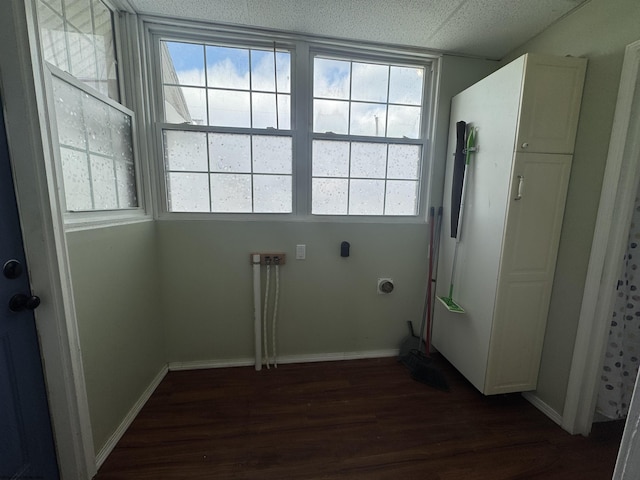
pixel 550 104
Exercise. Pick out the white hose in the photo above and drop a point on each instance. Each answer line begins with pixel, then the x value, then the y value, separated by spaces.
pixel 275 314
pixel 266 314
pixel 256 312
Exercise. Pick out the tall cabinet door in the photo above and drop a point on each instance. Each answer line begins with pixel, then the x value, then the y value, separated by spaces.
pixel 551 98
pixel 532 234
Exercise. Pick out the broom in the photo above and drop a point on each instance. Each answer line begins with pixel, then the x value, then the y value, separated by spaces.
pixel 418 362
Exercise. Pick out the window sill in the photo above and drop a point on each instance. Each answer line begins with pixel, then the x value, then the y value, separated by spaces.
pixel 75 222
pixel 293 218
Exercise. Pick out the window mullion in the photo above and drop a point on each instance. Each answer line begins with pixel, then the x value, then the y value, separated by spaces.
pixel 301 100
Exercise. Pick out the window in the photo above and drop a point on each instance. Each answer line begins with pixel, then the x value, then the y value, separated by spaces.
pixel 351 100
pixel 96 150
pixel 77 37
pixel 95 135
pixel 290 127
pixel 226 135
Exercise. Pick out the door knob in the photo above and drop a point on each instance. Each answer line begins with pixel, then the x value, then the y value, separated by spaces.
pixel 12 269
pixel 21 302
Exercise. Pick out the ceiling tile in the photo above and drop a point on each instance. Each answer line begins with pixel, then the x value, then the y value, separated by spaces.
pixel 485 28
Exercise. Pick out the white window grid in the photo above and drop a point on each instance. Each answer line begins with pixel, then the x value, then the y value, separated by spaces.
pixel 118 213
pixel 66 49
pixel 282 125
pixel 303 50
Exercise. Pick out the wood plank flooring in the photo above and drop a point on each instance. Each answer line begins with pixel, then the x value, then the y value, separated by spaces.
pixel 363 419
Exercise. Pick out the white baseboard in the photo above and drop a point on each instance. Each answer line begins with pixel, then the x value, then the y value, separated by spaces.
pixel 534 400
pixel 117 435
pixel 320 357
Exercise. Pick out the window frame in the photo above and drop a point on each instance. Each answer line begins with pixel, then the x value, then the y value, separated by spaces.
pixel 424 139
pixel 160 125
pixel 303 49
pixel 125 36
pixel 82 217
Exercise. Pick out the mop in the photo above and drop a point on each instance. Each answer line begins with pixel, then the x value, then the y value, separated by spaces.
pixel 456 227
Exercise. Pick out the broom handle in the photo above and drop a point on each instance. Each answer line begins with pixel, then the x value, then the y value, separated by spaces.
pixel 427 333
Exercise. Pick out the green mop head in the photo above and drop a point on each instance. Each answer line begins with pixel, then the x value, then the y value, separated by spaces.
pixel 451 305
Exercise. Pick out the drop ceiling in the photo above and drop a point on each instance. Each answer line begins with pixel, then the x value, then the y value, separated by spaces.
pixel 483 28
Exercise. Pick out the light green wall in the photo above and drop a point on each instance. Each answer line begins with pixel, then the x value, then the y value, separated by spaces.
pixel 115 283
pixel 328 304
pixel 599 31
pixel 457 73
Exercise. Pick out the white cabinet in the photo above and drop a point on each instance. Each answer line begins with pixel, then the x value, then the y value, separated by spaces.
pixel 526 116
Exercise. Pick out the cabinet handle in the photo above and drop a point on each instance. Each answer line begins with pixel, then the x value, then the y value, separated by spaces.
pixel 520 185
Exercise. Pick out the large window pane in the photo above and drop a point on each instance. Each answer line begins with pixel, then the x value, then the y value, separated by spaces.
pixel 249 173
pixel 365 178
pixel 96 151
pixel 226 86
pixel 354 99
pixel 77 37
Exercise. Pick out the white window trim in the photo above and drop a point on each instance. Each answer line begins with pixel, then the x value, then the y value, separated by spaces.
pixel 127 58
pixel 91 218
pixel 303 48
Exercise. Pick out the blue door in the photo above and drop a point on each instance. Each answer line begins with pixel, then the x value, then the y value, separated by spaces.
pixel 26 442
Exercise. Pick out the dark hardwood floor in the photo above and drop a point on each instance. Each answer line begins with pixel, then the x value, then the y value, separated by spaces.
pixel 362 419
